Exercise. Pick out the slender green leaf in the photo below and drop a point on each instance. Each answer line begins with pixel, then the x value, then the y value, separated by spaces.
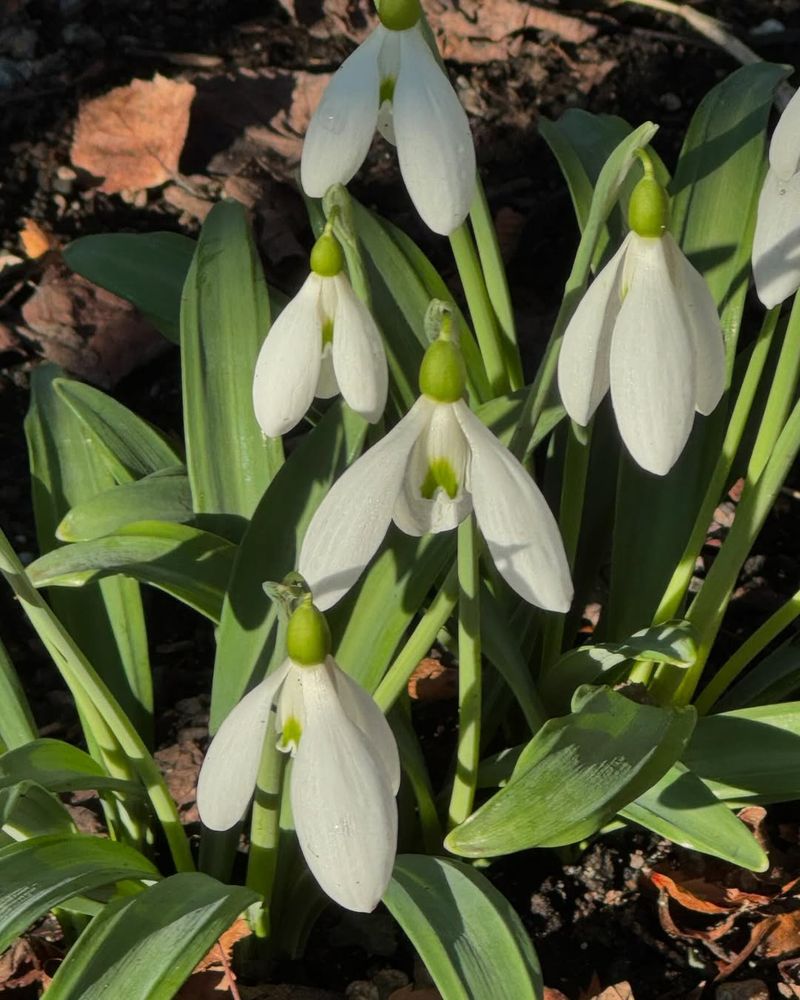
pixel 225 316
pixel 17 725
pixel 188 563
pixel 246 639
pixel 161 496
pixel 681 808
pixel 773 679
pixel 130 447
pixel 107 620
pixel 41 873
pixel 147 269
pixel 749 755
pixel 466 932
pixel 145 947
pixel 576 773
pixel 59 767
pixel 28 810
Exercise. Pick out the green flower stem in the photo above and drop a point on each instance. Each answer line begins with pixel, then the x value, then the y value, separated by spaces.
pixel 494 274
pixel 94 699
pixel 418 644
pixel 682 575
pixel 746 653
pixel 484 320
pixel 465 780
pixel 709 606
pixel 339 212
pixel 265 831
pixel 781 394
pixel 573 492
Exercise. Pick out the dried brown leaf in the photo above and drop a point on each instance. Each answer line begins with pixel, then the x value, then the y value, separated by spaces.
pixel 433 681
pixel 132 136
pixel 622 991
pixel 35 240
pixel 746 989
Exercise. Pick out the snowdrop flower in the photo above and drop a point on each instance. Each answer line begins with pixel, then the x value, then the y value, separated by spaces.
pixel 393 82
pixel 325 341
pixel 436 466
pixel 346 768
pixel 776 244
pixel 648 329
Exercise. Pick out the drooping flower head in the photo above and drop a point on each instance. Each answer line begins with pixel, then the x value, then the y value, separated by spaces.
pixel 345 773
pixel 648 329
pixel 393 83
pixel 324 342
pixel 436 466
pixel 776 244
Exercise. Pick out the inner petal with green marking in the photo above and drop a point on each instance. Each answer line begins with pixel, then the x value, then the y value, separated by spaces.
pixel 440 474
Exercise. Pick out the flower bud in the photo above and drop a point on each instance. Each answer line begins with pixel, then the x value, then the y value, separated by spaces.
pixel 327 259
pixel 442 375
pixel 648 209
pixel 308 638
pixel 399 15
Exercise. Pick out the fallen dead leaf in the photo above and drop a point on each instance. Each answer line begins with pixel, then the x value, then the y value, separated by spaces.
pixel 702 896
pixel 35 240
pixel 433 681
pixel 747 989
pixel 552 994
pixel 132 136
pixel 783 936
pixel 622 991
pixel 180 765
pixel 87 330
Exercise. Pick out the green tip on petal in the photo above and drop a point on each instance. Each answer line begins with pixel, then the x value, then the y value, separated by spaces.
pixel 648 209
pixel 327 259
pixel 399 15
pixel 308 638
pixel 442 375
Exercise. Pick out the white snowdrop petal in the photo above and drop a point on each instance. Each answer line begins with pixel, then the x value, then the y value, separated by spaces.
pixel 351 521
pixel 341 129
pixel 434 143
pixel 514 519
pixel 287 368
pixel 583 359
pixel 776 244
pixel 327 386
pixel 784 149
pixel 358 355
pixel 703 319
pixel 361 709
pixel 652 363
pixel 228 775
pixel 344 809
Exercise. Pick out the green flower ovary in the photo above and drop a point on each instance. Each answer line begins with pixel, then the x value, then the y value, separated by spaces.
pixel 399 15
pixel 440 474
pixel 308 638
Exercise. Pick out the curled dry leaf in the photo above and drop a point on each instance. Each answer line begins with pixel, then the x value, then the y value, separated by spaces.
pixel 433 681
pixel 132 136
pixel 35 240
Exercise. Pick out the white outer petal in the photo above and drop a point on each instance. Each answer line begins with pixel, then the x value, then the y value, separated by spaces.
pixel 287 368
pixel 352 520
pixel 784 150
pixel 434 143
pixel 358 355
pixel 583 376
pixel 361 709
pixel 344 809
pixel 776 244
pixel 514 519
pixel 652 362
pixel 228 775
pixel 341 129
pixel 703 320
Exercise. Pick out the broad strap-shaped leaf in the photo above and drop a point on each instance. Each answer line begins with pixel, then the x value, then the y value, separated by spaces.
pixel 188 563
pixel 269 549
pixel 28 810
pixel 225 316
pixel 59 767
pixel 671 642
pixel 576 773
pixel 147 269
pixel 773 679
pixel 161 496
pixel 750 755
pixel 145 947
pixel 68 465
pixel 681 808
pixel 38 874
pixel 17 725
pixel 130 447
pixel 466 932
